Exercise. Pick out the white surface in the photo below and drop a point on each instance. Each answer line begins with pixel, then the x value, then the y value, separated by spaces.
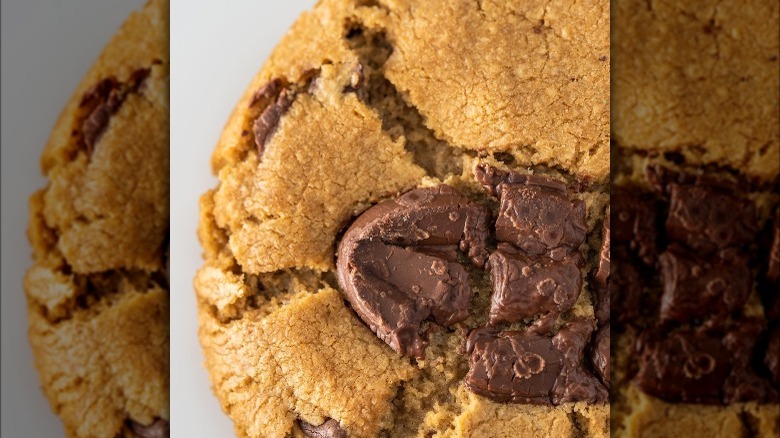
pixel 47 47
pixel 216 48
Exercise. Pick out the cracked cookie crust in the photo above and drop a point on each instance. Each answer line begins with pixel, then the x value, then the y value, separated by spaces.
pixel 363 101
pixel 97 294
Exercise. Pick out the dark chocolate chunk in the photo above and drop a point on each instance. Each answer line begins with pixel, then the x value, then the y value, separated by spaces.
pixel 633 222
pixel 682 366
pixel 696 287
pixel 525 367
pixel 773 265
pixel 625 290
pixel 525 286
pixel 424 278
pixel 159 428
pixel 103 100
pixel 708 218
pixel 511 366
pixel 396 266
pixel 535 213
pixel 265 124
pixel 575 383
pixel 772 356
pixel 490 178
pixel 599 354
pixel 744 384
pixel 267 93
pixel 329 429
pixel 601 306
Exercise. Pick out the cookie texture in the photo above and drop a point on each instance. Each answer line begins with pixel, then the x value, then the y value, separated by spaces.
pixel 396 108
pixel 699 80
pixel 97 292
pixel 696 167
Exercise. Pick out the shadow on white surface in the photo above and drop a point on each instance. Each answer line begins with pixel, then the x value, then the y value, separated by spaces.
pixel 216 49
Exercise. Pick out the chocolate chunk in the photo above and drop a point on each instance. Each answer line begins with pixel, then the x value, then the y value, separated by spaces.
pixel 525 367
pixel 772 357
pixel 426 278
pixel 682 366
pixel 773 265
pixel 160 428
pixel 265 124
pixel 512 366
pixel 329 429
pixel 575 383
pixel 743 384
pixel 102 101
pixel 396 266
pixel 535 213
pixel 526 286
pixel 601 306
pixel 696 287
pixel 626 286
pixel 267 93
pixel 599 354
pixel 708 218
pixel 633 222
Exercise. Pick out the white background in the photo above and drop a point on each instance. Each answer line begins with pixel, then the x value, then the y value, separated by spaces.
pixel 216 49
pixel 47 47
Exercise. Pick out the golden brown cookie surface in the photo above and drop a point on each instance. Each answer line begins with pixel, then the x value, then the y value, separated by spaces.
pixel 98 291
pixel 363 101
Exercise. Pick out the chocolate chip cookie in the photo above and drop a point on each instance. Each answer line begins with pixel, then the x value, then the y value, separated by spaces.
pixel 695 217
pixel 407 238
pixel 97 293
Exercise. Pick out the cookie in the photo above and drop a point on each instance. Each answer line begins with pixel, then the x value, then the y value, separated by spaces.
pixel 97 293
pixel 409 213
pixel 695 217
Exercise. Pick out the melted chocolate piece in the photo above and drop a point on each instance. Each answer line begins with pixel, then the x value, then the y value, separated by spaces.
pixel 329 429
pixel 626 285
pixel 601 306
pixel 525 367
pixel 267 93
pixel 526 286
pixel 708 218
pixel 682 366
pixel 599 354
pixel 511 366
pixel 160 428
pixel 266 122
pixel 575 383
pixel 102 101
pixel 396 268
pixel 535 213
pixel 743 384
pixel 634 222
pixel 697 287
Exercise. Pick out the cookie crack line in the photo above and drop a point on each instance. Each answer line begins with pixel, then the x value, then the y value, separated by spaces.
pixel 92 289
pixel 399 117
pixel 402 262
